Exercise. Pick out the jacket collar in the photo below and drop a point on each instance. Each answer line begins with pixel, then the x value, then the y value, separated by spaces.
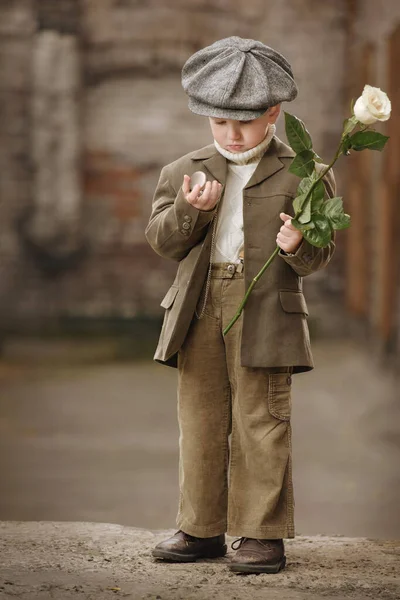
pixel 269 164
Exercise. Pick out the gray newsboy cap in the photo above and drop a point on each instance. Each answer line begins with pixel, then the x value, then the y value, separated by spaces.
pixel 236 78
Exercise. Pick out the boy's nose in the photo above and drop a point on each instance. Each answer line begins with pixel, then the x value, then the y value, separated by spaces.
pixel 234 133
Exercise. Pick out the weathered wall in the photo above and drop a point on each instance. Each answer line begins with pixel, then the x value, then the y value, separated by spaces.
pixel 83 138
pixel 17 25
pixel 118 117
pixel 136 110
pixel 372 282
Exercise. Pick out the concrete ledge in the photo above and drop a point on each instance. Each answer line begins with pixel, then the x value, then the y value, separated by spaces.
pixel 43 560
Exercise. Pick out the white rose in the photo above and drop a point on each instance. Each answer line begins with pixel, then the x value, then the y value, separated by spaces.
pixel 373 105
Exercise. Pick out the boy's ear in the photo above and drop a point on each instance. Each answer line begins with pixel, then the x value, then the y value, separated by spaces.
pixel 274 112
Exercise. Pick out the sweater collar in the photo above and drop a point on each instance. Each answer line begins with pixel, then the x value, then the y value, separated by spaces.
pixel 252 155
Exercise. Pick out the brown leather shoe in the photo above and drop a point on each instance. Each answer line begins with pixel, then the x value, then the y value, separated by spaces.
pixel 183 547
pixel 258 556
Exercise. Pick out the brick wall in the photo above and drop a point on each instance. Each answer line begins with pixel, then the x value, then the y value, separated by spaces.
pixel 373 277
pixel 133 119
pixel 136 111
pixel 17 25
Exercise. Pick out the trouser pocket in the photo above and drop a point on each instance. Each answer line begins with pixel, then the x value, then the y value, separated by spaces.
pixel 280 395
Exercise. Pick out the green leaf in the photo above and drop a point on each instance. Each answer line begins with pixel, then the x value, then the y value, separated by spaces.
pixel 298 203
pixel 349 124
pixel 318 193
pixel 302 226
pixel 302 207
pixel 368 140
pixel 305 184
pixel 305 216
pixel 317 158
pixel 346 144
pixel 320 235
pixel 303 164
pixel 317 197
pixel 333 210
pixel 296 133
pixel 342 222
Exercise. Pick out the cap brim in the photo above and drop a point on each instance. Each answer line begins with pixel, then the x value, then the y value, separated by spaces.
pixel 205 110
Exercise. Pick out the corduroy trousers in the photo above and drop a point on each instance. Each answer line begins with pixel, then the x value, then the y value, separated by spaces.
pixel 235 465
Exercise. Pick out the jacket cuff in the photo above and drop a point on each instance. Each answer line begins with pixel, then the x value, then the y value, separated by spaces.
pixel 189 217
pixel 304 255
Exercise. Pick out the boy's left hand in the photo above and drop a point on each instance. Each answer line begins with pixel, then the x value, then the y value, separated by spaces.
pixel 289 238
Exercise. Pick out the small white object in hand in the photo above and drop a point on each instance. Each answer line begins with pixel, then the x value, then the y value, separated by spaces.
pixel 198 178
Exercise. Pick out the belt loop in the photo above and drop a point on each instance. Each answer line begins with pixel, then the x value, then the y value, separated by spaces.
pixel 239 266
pixel 231 269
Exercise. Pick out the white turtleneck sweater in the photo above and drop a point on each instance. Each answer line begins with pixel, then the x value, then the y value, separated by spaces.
pixel 229 236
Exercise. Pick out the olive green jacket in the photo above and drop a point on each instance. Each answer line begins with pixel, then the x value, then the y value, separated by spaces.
pixel 274 330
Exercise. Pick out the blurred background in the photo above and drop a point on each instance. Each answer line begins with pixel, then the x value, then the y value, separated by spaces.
pixel 91 108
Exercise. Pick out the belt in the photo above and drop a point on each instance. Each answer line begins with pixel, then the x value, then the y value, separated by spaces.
pixel 227 270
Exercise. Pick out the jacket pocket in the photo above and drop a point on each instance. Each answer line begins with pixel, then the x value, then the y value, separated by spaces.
pixel 279 395
pixel 293 301
pixel 169 297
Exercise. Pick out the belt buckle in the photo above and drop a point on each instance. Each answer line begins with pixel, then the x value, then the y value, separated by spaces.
pixel 233 268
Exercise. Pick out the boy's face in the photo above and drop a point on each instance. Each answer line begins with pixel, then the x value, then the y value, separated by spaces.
pixel 239 136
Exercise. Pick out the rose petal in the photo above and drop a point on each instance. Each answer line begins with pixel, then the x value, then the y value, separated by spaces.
pixel 376 102
pixel 362 113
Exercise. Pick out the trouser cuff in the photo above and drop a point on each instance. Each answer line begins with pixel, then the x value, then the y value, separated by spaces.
pixel 266 533
pixel 202 531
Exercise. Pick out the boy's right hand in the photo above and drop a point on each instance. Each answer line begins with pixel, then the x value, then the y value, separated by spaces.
pixel 205 199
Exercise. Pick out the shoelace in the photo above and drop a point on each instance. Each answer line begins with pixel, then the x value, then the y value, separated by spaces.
pixel 239 541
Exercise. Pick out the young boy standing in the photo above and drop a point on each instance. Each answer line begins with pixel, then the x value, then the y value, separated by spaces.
pixel 238 385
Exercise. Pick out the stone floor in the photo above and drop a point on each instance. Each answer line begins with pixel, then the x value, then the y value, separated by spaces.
pixel 62 561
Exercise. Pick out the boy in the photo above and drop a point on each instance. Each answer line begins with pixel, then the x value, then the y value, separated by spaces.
pixel 238 385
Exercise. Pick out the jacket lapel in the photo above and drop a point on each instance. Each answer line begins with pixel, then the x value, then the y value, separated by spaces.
pixel 270 162
pixel 217 167
pixel 213 161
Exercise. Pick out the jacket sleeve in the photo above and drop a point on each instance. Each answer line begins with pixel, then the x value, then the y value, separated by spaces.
pixel 175 226
pixel 308 258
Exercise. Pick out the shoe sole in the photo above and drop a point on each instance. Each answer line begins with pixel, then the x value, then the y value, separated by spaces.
pixel 246 568
pixel 177 557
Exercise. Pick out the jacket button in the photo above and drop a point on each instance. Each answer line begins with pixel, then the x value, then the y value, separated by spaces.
pixel 184 232
pixel 231 268
pixel 187 218
pixel 186 226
